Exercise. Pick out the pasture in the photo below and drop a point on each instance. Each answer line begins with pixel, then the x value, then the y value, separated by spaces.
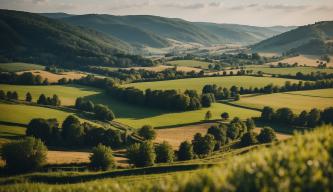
pixel 16 67
pixel 308 60
pixel 297 100
pixel 160 68
pixel 54 78
pixel 199 83
pixel 190 63
pixel 287 71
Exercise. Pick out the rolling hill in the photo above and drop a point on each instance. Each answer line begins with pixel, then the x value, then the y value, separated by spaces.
pixel 155 31
pixel 311 39
pixel 32 38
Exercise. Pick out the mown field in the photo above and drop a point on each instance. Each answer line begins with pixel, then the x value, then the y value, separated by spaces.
pixel 199 83
pixel 297 100
pixel 190 63
pixel 15 67
pixel 308 60
pixel 287 71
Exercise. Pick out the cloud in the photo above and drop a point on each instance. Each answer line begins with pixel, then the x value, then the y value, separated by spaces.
pixel 185 6
pixel 214 4
pixel 39 1
pixel 283 7
pixel 241 7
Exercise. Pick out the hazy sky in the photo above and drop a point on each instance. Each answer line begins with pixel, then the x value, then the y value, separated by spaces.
pixel 250 12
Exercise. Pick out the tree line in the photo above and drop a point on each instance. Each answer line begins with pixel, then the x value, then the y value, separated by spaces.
pixel 42 100
pixel 311 118
pixel 26 78
pixel 102 112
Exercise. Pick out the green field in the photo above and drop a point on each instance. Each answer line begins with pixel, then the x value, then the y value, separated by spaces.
pixel 296 100
pixel 199 83
pixel 134 116
pixel 15 67
pixel 67 94
pixel 190 63
pixel 288 71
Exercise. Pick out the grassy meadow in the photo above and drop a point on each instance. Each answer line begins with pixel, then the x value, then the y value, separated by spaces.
pixel 190 63
pixel 16 67
pixel 288 71
pixel 199 83
pixel 296 100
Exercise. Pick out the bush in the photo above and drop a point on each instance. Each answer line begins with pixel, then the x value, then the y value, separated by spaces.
pixel 147 132
pixel 185 151
pixel 249 138
pixel 142 155
pixel 164 153
pixel 266 135
pixel 24 155
pixel 102 158
pixel 103 113
pixel 45 129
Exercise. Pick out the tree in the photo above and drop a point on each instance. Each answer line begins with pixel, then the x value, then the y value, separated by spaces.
pixel 44 129
pixel 2 94
pixel 313 117
pixel 302 119
pixel 164 153
pixel 233 131
pixel 208 115
pixel 284 115
pixel 55 101
pixel 266 135
pixel 28 97
pixel 14 96
pixel 185 151
pixel 72 131
pixel 267 114
pixel 24 155
pixel 219 134
pixel 103 113
pixel 249 138
pixel 250 124
pixel 327 115
pixel 142 155
pixel 102 158
pixel 9 95
pixel 206 100
pixel 225 116
pixel 237 97
pixel 203 145
pixel 78 103
pixel 147 132
pixel 42 100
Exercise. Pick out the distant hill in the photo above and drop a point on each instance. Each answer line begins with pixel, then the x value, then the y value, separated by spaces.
pixel 154 31
pixel 32 38
pixel 310 39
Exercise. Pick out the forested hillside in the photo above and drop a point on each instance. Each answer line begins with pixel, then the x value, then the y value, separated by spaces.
pixel 310 39
pixel 29 37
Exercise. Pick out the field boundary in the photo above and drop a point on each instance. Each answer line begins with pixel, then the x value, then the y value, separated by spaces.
pixel 240 106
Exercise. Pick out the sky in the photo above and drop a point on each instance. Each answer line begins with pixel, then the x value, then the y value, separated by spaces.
pixel 248 12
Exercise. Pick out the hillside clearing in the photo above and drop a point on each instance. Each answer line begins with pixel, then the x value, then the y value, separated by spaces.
pixel 16 67
pixel 297 100
pixel 54 78
pixel 199 83
pixel 308 60
pixel 288 71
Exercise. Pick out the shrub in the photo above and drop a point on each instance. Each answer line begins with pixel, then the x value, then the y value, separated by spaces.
pixel 147 132
pixel 102 158
pixel 24 155
pixel 185 151
pixel 249 138
pixel 164 153
pixel 266 135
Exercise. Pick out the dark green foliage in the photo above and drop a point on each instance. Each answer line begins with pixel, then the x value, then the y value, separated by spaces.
pixel 102 158
pixel 24 155
pixel 203 145
pixel 142 155
pixel 85 105
pixel 55 101
pixel 327 115
pixel 147 132
pixel 225 116
pixel 250 124
pixel 72 131
pixel 237 97
pixel 11 95
pixel 267 114
pixel 313 118
pixel 28 97
pixel 45 129
pixel 302 119
pixel 208 115
pixel 2 94
pixel 233 131
pixel 37 39
pixel 219 133
pixel 284 115
pixel 164 153
pixel 207 99
pixel 185 151
pixel 249 138
pixel 103 113
pixel 266 135
pixel 42 100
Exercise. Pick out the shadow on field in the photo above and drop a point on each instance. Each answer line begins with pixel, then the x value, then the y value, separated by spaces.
pixel 69 179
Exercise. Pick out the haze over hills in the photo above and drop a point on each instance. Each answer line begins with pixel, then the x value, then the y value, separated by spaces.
pixel 310 39
pixel 33 38
pixel 155 31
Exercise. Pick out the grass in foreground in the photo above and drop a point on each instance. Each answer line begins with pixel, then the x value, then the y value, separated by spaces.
pixel 199 83
pixel 15 67
pixel 296 100
pixel 303 163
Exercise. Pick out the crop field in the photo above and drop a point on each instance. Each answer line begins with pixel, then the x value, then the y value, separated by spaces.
pixel 67 94
pixel 297 100
pixel 54 78
pixel 190 63
pixel 160 68
pixel 16 67
pixel 307 60
pixel 199 83
pixel 288 71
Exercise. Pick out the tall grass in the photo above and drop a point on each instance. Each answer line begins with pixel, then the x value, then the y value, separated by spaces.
pixel 303 163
